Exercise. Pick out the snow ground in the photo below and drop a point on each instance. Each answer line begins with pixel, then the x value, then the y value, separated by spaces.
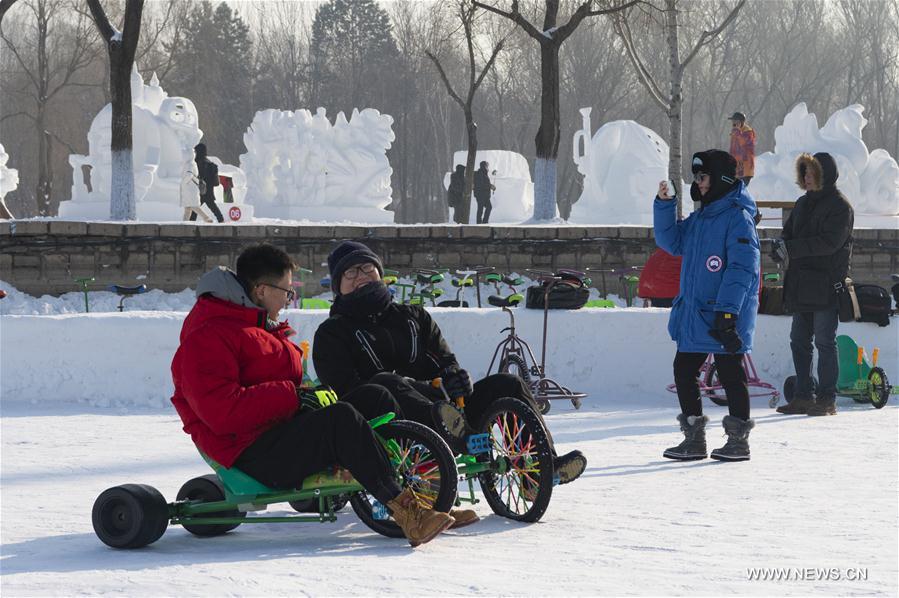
pixel 84 406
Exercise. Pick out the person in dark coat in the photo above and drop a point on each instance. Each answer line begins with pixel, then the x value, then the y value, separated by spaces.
pixel 370 339
pixel 208 177
pixel 482 190
pixel 718 300
pixel 817 244
pixel 238 390
pixel 455 191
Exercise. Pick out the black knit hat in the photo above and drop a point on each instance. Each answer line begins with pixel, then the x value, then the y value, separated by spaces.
pixel 346 255
pixel 721 168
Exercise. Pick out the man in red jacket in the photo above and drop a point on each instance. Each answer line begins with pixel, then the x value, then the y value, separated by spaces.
pixel 238 391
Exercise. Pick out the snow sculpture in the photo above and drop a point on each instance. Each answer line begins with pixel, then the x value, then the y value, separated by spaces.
pixel 164 133
pixel 870 181
pixel 513 199
pixel 9 177
pixel 622 165
pixel 301 167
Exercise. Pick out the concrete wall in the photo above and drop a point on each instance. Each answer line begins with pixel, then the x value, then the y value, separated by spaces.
pixel 44 257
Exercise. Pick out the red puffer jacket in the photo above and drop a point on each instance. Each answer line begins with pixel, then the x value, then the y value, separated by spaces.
pixel 233 378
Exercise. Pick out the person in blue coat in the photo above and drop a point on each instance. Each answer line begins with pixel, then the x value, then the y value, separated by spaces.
pixel 715 309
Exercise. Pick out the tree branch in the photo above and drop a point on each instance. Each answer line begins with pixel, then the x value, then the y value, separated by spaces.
pixel 624 32
pixel 583 11
pixel 708 36
pixel 133 12
pixel 101 20
pixel 489 65
pixel 515 17
pixel 449 87
pixel 4 6
pixel 14 114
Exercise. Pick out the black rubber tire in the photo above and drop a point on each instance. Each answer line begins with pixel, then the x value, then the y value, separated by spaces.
pixel 543 405
pixel 711 379
pixel 790 387
pixel 311 505
pixel 208 488
pixel 426 447
pixel 130 516
pixel 879 392
pixel 515 364
pixel 503 491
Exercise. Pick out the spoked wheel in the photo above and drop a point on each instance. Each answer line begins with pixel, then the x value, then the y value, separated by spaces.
pixel 130 516
pixel 423 462
pixel 208 488
pixel 711 379
pixel 519 443
pixel 878 387
pixel 515 364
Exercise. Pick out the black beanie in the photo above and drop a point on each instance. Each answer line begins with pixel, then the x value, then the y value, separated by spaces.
pixel 721 168
pixel 347 254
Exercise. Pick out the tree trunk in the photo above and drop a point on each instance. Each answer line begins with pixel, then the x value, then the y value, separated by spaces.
pixel 122 202
pixel 462 214
pixel 547 140
pixel 675 125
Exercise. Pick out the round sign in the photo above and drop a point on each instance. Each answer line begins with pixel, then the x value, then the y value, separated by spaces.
pixel 234 213
pixel 714 263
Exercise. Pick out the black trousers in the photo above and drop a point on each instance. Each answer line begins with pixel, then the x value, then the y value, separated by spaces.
pixel 209 203
pixel 484 209
pixel 315 440
pixel 730 373
pixel 415 397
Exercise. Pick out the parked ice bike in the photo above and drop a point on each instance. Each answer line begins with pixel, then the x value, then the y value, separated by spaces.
pixel 710 386
pixel 515 356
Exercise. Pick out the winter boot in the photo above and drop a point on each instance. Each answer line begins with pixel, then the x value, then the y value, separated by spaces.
pixel 419 523
pixel 569 466
pixel 693 447
pixel 450 423
pixel 796 407
pixel 826 405
pixel 737 446
pixel 463 517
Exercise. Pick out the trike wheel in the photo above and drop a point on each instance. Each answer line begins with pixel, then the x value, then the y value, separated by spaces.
pixel 520 445
pixel 515 364
pixel 711 379
pixel 130 516
pixel 544 406
pixel 878 387
pixel 422 461
pixel 790 387
pixel 208 488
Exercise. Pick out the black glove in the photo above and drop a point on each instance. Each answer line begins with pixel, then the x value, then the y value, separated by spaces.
pixel 725 331
pixel 316 398
pixel 779 251
pixel 456 382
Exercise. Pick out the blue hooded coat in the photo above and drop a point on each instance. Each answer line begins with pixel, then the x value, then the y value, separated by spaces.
pixel 720 269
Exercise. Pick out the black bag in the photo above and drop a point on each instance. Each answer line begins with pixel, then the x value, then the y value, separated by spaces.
pixel 847 301
pixel 772 301
pixel 567 294
pixel 874 304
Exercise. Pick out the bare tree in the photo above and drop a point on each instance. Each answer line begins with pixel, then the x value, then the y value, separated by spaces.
pixel 51 62
pixel 551 38
pixel 121 46
pixel 467 16
pixel 671 101
pixel 5 5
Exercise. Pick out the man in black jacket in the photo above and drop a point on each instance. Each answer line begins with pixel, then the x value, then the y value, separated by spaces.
pixel 370 339
pixel 817 243
pixel 482 190
pixel 208 178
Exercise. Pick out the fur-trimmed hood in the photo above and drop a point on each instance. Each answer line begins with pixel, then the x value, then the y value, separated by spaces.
pixel 823 168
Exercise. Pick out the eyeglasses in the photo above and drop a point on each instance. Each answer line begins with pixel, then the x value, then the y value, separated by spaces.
pixel 698 177
pixel 355 271
pixel 290 292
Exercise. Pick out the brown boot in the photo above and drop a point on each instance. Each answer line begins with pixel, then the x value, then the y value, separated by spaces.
pixel 463 517
pixel 419 524
pixel 823 406
pixel 796 407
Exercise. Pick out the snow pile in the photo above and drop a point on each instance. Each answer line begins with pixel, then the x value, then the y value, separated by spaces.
pixel 869 180
pixel 622 165
pixel 164 131
pixel 9 177
pixel 513 199
pixel 301 166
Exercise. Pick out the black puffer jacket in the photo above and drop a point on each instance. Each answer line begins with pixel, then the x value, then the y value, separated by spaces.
pixel 818 236
pixel 482 184
pixel 348 349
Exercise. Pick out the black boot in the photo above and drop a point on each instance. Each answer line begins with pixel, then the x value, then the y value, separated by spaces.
pixel 737 446
pixel 693 446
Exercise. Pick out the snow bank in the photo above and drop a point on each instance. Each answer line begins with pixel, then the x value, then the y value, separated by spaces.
pixel 123 359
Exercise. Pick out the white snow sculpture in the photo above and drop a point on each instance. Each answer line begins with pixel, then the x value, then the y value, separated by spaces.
pixel 513 199
pixel 9 177
pixel 301 167
pixel 622 165
pixel 870 181
pixel 164 133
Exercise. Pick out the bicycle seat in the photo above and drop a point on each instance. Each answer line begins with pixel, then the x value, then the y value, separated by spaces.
pixel 513 281
pixel 493 277
pixel 427 278
pixel 510 301
pixel 464 282
pixel 122 290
